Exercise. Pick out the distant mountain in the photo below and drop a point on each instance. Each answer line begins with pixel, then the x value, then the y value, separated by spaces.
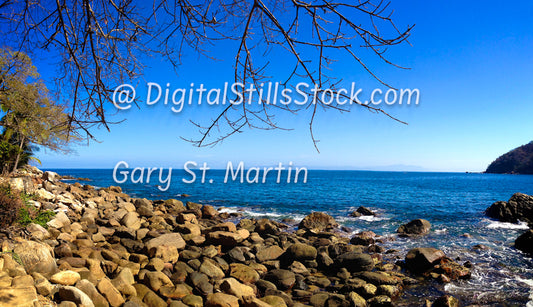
pixel 516 161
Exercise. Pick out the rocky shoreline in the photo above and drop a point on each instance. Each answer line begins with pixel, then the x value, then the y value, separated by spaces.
pixel 104 248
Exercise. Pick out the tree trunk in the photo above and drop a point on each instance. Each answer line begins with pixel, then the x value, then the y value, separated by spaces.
pixel 18 155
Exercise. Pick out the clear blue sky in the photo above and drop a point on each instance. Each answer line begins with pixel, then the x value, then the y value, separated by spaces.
pixel 470 61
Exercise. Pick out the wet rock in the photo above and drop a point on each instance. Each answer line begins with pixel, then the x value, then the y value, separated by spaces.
pixel 415 227
pixel 519 207
pixel 318 222
pixel 525 242
pixel 363 238
pixel 274 301
pixel 362 211
pixel 422 259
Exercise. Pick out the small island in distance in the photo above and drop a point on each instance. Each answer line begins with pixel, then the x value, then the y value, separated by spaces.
pixel 516 161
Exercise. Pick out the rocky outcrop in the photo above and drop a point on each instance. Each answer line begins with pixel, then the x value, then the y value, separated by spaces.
pixel 518 208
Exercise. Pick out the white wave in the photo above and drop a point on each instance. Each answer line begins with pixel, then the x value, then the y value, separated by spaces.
pixel 528 282
pixel 439 231
pixel 505 225
pixel 372 218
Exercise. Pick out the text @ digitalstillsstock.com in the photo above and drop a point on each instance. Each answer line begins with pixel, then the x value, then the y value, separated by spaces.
pixel 195 172
pixel 266 93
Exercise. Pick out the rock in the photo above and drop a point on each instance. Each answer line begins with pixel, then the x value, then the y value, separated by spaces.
pixel 364 238
pixel 362 211
pixel 20 297
pixel 318 222
pixel 59 220
pixel 124 281
pixel 166 246
pixel 153 300
pixel 446 301
pixel 301 251
pixel 66 278
pixel 221 300
pixel 37 231
pixel 415 227
pixel 525 242
pixel 274 301
pixel 235 288
pixel 283 279
pixel 111 293
pixel 270 253
pixel 156 280
pixel 380 278
pixel 355 262
pixel 210 269
pixel 356 300
pixel 224 238
pixel 36 257
pixel 419 260
pixel 131 220
pixel 319 299
pixel 88 288
pixel 209 212
pixel 175 292
pixel 73 294
pixel 43 286
pixel 50 176
pixel 193 300
pixel 380 301
pixel 518 208
pixel 266 227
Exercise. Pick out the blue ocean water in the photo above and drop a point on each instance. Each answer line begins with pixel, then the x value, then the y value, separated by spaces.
pixel 453 202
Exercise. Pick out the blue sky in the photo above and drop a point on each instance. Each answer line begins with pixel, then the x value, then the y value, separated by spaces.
pixel 471 63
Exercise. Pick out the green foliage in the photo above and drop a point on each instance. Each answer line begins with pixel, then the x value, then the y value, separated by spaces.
pixel 29 214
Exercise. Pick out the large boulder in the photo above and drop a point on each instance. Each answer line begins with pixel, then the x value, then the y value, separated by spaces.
pixel 355 262
pixel 415 227
pixel 518 208
pixel 318 222
pixel 525 242
pixel 422 259
pixel 36 257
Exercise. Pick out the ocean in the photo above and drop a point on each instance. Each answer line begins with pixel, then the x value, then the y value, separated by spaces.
pixel 453 202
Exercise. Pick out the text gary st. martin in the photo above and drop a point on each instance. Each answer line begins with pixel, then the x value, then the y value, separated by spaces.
pixel 280 173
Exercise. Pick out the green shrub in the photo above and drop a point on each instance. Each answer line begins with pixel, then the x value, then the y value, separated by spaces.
pixel 29 214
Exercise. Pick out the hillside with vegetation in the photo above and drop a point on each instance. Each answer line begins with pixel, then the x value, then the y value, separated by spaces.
pixel 516 161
